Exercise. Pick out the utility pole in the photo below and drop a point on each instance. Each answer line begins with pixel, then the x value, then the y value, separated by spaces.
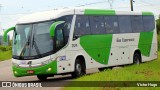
pixel 131 2
pixel 111 3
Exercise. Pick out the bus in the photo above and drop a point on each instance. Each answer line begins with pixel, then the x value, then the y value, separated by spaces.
pixel 70 41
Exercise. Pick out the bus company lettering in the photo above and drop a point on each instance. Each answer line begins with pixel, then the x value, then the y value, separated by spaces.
pixel 125 40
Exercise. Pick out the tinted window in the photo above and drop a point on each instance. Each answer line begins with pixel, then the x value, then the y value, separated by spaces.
pixel 97 24
pixel 149 23
pixel 82 26
pixel 111 24
pixel 67 26
pixel 21 35
pixel 59 38
pixel 124 24
pixel 137 23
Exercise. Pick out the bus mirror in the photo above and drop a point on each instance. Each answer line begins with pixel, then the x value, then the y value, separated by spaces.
pixel 75 37
pixel 53 27
pixel 6 32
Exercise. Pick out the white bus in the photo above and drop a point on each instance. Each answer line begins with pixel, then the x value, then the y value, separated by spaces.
pixel 69 41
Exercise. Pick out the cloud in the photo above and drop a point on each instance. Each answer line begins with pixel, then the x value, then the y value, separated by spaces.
pixel 8 16
pixel 7 21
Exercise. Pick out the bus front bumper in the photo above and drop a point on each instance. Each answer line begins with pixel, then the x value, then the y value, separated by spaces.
pixel 47 69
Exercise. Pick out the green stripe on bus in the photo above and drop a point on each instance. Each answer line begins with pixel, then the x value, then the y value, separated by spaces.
pixel 42 70
pixel 145 43
pixel 99 12
pixel 97 46
pixel 147 13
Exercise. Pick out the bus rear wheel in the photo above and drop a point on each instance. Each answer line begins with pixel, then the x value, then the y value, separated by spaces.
pixel 79 69
pixel 137 58
pixel 105 68
pixel 42 77
pixel 102 69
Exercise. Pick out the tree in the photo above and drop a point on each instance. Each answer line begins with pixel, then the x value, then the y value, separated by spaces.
pixel 158 25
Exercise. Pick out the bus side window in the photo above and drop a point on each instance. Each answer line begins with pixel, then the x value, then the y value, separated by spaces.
pixel 59 38
pixel 67 26
pixel 137 23
pixel 149 23
pixel 125 24
pixel 82 26
pixel 111 24
pixel 97 24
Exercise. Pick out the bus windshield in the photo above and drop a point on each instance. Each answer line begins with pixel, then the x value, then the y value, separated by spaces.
pixel 32 41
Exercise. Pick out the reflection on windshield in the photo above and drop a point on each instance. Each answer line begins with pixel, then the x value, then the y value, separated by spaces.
pixel 22 35
pixel 32 40
pixel 41 38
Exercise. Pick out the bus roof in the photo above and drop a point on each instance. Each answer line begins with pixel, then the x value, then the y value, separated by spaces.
pixel 44 16
pixel 53 14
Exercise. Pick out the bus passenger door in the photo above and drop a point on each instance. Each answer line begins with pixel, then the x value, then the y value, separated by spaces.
pixel 63 63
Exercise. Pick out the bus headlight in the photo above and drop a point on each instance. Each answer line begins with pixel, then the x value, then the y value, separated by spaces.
pixel 15 72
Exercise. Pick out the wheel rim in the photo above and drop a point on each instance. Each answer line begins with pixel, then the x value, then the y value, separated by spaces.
pixel 137 60
pixel 78 69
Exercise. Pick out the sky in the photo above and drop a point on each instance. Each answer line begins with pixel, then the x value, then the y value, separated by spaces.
pixel 12 10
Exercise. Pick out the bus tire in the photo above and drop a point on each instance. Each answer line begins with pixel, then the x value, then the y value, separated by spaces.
pixel 105 68
pixel 136 58
pixel 79 69
pixel 42 77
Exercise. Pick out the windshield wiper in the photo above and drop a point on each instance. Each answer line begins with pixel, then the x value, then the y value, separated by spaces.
pixel 24 48
pixel 15 34
pixel 36 47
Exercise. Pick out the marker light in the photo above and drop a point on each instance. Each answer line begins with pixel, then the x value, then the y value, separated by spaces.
pixel 49 69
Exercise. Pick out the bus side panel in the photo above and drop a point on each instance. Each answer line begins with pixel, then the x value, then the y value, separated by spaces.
pixel 152 50
pixel 123 48
pixel 77 50
pixel 97 46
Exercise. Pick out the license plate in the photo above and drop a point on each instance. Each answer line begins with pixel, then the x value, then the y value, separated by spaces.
pixel 30 71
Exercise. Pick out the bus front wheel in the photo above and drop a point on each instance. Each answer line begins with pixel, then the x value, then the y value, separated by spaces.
pixel 42 77
pixel 79 69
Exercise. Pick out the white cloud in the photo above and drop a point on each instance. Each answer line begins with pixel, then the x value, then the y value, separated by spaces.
pixel 22 6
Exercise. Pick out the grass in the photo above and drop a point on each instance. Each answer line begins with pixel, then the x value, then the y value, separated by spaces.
pixel 5 55
pixel 149 71
pixel 5 52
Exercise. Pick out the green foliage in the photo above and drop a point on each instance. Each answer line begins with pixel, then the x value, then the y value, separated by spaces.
pixel 10 42
pixel 5 48
pixel 158 38
pixel 158 25
pixel 5 52
pixel 5 55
